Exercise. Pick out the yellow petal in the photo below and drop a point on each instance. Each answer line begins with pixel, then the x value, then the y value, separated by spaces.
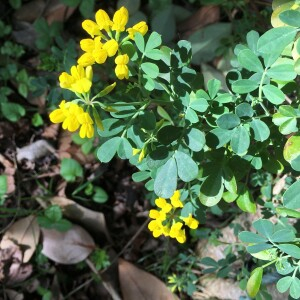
pixel 87 45
pixel 91 27
pixel 111 47
pixel 175 199
pixel 82 85
pixel 103 20
pixel 86 59
pixel 122 71
pixel 120 19
pixel 122 59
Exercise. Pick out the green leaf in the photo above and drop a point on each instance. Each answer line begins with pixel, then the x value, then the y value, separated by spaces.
pixel 264 227
pixel 186 167
pixel 240 140
pixel 286 119
pixel 273 94
pixel 37 120
pixel 252 39
pixel 212 189
pixel 254 282
pixel 261 130
pixel 154 54
pixel 258 248
pixel 198 104
pixel 12 111
pixel 150 69
pixel 290 249
pixel 284 267
pixel 283 236
pixel 86 8
pixel 100 195
pixel 229 180
pixel 283 72
pixel 164 23
pixel 250 61
pixel 140 176
pixel 191 116
pixel 295 288
pixel 228 121
pixel 288 212
pixel 244 110
pixel 195 139
pixel 284 284
pixel 163 113
pixel 213 86
pixel 154 41
pixel 3 185
pixel 15 4
pixel 276 38
pixel 244 86
pixel 70 169
pixel 125 149
pixel 290 17
pixel 291 196
pixel 53 213
pixel 166 179
pixel 250 237
pixel 245 200
pixel 168 134
pixel 108 150
pixel 223 136
pixel 106 90
pixel 139 41
pixel 111 127
pixel 205 41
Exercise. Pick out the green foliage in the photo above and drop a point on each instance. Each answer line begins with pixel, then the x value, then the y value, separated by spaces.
pixel 53 219
pixel 70 169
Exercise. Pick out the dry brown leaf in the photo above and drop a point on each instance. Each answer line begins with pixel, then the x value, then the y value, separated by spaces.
pixel 51 131
pixel 13 295
pixel 279 186
pixel 220 288
pixel 30 11
pixel 204 16
pixel 92 220
pixel 57 11
pixel 25 232
pixel 75 245
pixel 137 284
pixel 9 171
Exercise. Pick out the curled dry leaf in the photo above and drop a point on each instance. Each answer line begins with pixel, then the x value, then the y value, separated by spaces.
pixel 9 171
pixel 68 247
pixel 220 288
pixel 25 232
pixel 34 151
pixel 204 16
pixel 92 220
pixel 56 11
pixel 137 284
pixel 11 268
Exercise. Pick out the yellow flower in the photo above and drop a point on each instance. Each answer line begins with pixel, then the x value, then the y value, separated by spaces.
pixel 87 125
pixel 71 122
pixel 191 222
pixel 121 69
pixel 94 52
pixel 140 27
pixel 163 204
pixel 177 232
pixel 175 200
pixel 111 47
pixel 59 114
pixel 156 227
pixel 120 19
pixel 157 215
pixel 91 28
pixel 103 20
pixel 79 81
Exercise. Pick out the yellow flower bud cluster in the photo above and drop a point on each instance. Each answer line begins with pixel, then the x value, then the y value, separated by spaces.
pixel 105 40
pixel 72 116
pixel 166 220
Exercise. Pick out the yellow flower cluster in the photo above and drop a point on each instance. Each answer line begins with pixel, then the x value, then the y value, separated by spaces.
pixel 166 222
pixel 105 40
pixel 72 116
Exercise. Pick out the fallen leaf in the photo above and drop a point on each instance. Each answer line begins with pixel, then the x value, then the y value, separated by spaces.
pixel 51 131
pixel 92 220
pixel 9 171
pixel 14 295
pixel 137 284
pixel 30 11
pixel 75 245
pixel 57 11
pixel 25 232
pixel 204 16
